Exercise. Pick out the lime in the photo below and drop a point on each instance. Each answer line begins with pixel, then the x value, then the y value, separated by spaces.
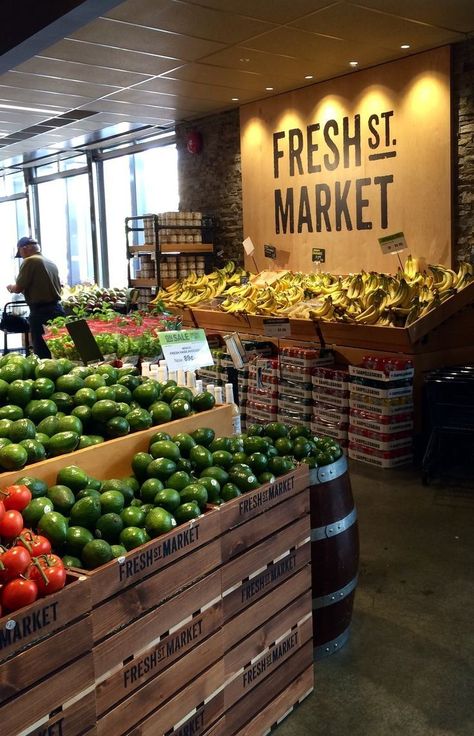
pixel 185 465
pixel 35 451
pixel 104 410
pixel 13 457
pixel 19 392
pixel 161 468
pixel 5 426
pixel 12 412
pixel 122 393
pixel 203 436
pixel 38 409
pixel 254 430
pixel 86 396
pixel 284 446
pixel 240 457
pixel 82 370
pixel 22 429
pixel 301 448
pixel 70 424
pixel 165 448
pixel 48 368
pixel 112 502
pixel 221 443
pixel 71 561
pixel 96 553
pixel 160 412
pixel 53 526
pixel 139 419
pixel 43 388
pixel 108 527
pixel 280 465
pixel 266 477
pixel 105 392
pixel 122 409
pixel 118 550
pixel 275 430
pixel 94 483
pixel 5 441
pixel 117 484
pixel 212 487
pixel 140 462
pixel 94 381
pixel 243 480
pixel 131 382
pixel 76 539
pixel 92 492
pixel 62 498
pixel 299 431
pixel 159 521
pixel 4 389
pixel 38 487
pixel 63 401
pixel 183 393
pixel 133 483
pixel 35 510
pixel 109 372
pixel 69 384
pixel 83 413
pixel 179 480
pixel 195 492
pixel 180 408
pixel 147 393
pixel 63 442
pixel 200 457
pixel 132 537
pixel 187 512
pixel 258 462
pixel 117 427
pixel 49 426
pixel 219 474
pixel 185 443
pixel 230 491
pixel 133 516
pixel 223 459
pixel 85 512
pixel 66 365
pixel 168 498
pixel 203 401
pixel 256 444
pixel 11 372
pixel 168 393
pixel 158 437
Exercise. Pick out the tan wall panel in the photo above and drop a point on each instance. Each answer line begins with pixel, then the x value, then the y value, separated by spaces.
pixel 417 90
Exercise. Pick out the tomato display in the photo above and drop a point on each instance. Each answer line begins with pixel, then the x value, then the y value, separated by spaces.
pixel 11 524
pixel 16 497
pixel 18 593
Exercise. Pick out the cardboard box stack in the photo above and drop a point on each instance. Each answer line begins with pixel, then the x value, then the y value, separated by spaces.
pixel 381 412
pixel 262 394
pixel 331 404
pixel 295 400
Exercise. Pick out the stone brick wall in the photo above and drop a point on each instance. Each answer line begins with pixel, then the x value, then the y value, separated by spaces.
pixel 210 182
pixel 463 106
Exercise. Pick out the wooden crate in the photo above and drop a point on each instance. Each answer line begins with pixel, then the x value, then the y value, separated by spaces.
pixel 46 666
pixel 112 459
pixel 221 321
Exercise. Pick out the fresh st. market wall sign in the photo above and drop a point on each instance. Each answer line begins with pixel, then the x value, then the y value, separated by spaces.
pixel 339 164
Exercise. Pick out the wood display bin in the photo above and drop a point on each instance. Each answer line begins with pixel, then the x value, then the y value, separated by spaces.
pixel 46 666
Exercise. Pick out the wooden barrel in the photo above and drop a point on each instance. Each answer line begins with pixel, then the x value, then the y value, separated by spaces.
pixel 334 555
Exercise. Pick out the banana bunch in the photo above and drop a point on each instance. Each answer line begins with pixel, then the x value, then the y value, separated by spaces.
pixel 367 297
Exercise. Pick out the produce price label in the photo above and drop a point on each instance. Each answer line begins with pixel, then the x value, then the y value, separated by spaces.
pixel 276 327
pixel 187 349
pixel 249 247
pixel 393 243
pixel 270 251
pixel 319 255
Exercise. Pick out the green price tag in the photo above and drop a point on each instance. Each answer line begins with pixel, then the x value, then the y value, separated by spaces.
pixel 185 349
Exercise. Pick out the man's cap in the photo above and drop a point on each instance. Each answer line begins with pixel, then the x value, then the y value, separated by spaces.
pixel 26 240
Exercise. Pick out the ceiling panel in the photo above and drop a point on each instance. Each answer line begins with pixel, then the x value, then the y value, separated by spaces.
pixel 251 60
pixel 457 15
pixel 193 20
pixel 84 71
pixel 203 73
pixel 155 98
pixel 133 109
pixel 52 84
pixel 350 23
pixel 278 11
pixel 33 97
pixel 121 35
pixel 193 89
pixel 114 58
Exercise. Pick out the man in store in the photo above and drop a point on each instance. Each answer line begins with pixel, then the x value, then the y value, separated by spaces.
pixel 38 280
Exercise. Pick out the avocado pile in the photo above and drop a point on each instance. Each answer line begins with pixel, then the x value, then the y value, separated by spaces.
pixel 51 407
pixel 89 522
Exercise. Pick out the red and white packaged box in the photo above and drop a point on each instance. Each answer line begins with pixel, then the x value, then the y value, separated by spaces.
pixel 265 367
pixel 330 396
pixel 290 416
pixel 304 406
pixel 295 373
pixel 380 441
pixel 383 369
pixel 386 423
pixel 385 407
pixel 360 389
pixel 262 394
pixel 331 378
pixel 261 410
pixel 294 389
pixel 380 458
pixel 327 430
pixel 305 357
pixel 330 413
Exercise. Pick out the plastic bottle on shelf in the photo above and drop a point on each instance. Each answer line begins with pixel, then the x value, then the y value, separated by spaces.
pixel 199 386
pixel 210 388
pixel 191 380
pixel 218 395
pixel 145 368
pixel 163 364
pixel 181 380
pixel 162 374
pixel 229 399
pixel 173 376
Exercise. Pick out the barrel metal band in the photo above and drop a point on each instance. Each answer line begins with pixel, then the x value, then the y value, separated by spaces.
pixel 328 472
pixel 337 527
pixel 330 647
pixel 327 600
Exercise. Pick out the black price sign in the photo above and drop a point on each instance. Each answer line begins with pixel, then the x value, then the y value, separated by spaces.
pixel 84 341
pixel 319 255
pixel 270 251
pixel 244 280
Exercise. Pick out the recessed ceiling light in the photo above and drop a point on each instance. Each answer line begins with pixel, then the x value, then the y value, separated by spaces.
pixel 235 99
pixel 353 63
pixel 269 89
pixel 405 46
pixel 309 76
